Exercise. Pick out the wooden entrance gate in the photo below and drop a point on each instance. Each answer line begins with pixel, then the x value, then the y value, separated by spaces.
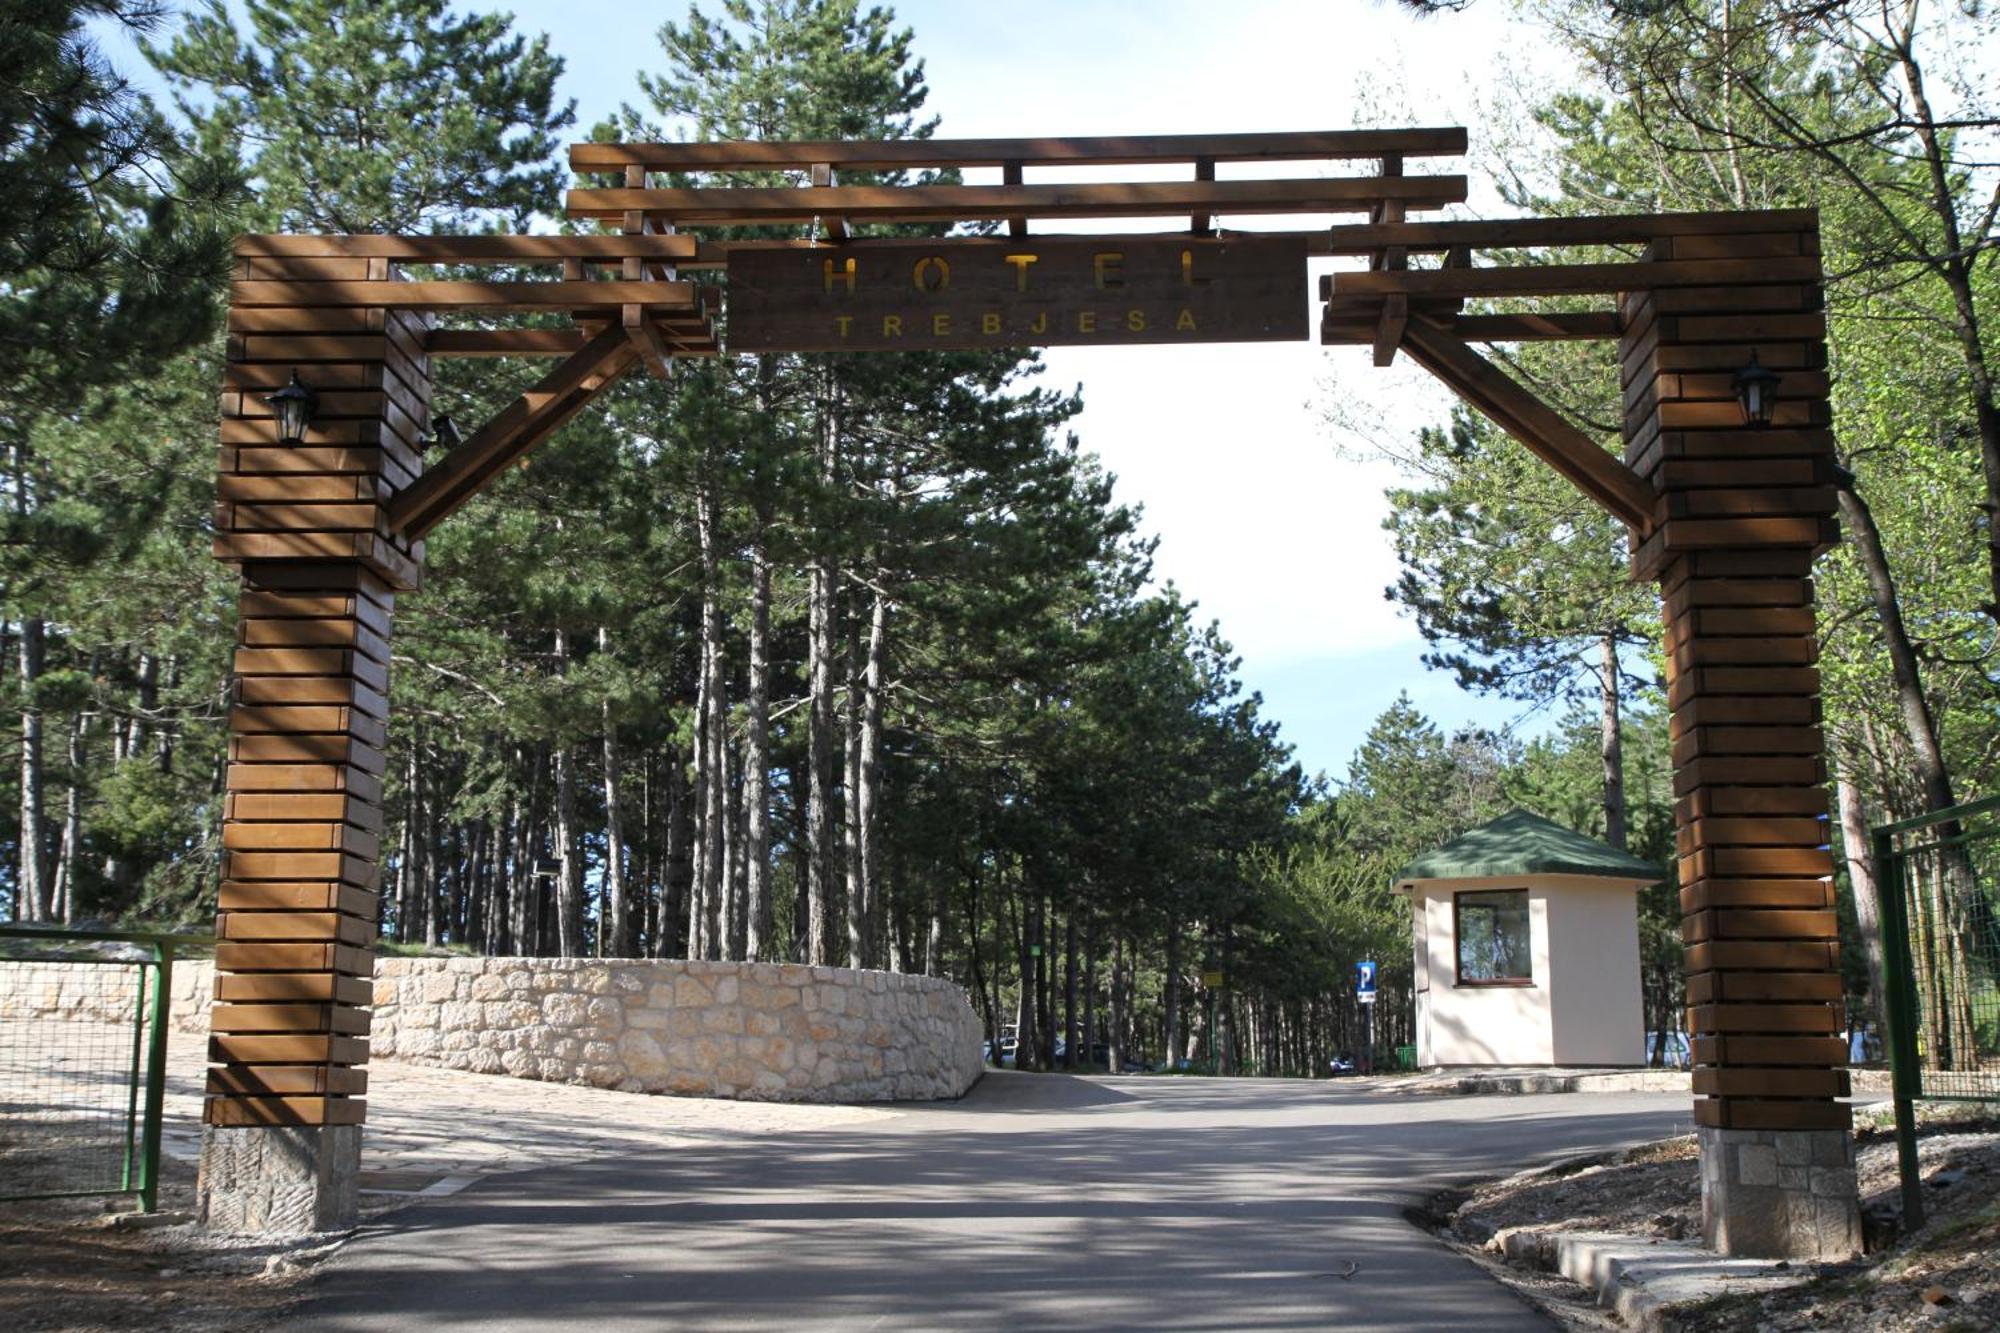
pixel 1726 514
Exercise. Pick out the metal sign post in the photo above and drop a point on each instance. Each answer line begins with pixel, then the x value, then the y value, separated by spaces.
pixel 1364 995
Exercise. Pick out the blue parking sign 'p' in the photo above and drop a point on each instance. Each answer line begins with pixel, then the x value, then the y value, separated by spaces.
pixel 1364 977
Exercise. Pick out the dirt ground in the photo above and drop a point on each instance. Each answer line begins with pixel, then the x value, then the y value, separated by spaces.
pixel 68 1266
pixel 1946 1277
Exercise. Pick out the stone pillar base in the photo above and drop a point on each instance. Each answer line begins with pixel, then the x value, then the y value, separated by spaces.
pixel 279 1180
pixel 1779 1193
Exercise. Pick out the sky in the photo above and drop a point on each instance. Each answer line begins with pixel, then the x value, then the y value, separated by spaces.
pixel 1269 517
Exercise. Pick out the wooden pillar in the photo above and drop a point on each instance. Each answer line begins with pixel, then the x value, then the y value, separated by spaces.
pixel 302 820
pixel 1742 512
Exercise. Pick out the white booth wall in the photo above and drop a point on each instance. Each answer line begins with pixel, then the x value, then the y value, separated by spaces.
pixel 1583 1004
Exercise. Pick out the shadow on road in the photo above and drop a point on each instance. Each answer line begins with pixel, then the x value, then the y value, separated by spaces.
pixel 1037 1201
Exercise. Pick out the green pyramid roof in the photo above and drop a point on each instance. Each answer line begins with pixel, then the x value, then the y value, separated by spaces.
pixel 1519 843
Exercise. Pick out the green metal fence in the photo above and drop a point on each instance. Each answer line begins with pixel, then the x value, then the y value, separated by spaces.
pixel 83 1061
pixel 1940 903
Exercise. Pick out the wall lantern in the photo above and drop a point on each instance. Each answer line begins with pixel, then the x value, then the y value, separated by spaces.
pixel 1757 391
pixel 444 434
pixel 294 405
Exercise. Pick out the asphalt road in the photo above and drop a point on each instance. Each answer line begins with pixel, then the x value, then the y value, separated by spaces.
pixel 1038 1202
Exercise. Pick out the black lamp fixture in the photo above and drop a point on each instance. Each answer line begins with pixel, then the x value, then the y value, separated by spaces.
pixel 1756 391
pixel 444 434
pixel 294 405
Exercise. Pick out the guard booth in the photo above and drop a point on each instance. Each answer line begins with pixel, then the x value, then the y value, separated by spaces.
pixel 1526 937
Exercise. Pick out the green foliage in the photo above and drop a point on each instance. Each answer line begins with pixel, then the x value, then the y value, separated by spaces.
pixel 374 115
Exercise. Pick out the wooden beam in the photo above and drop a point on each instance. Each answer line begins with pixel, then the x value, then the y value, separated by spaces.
pixel 652 349
pixel 606 248
pixel 516 429
pixel 1368 238
pixel 1565 448
pixel 463 295
pixel 1573 279
pixel 1389 328
pixel 1121 150
pixel 756 205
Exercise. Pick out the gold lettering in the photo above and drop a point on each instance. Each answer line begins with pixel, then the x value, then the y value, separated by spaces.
pixel 1020 263
pixel 892 326
pixel 1184 324
pixel 1041 324
pixel 1188 279
pixel 844 321
pixel 846 274
pixel 1135 321
pixel 932 274
pixel 1086 321
pixel 1106 266
pixel 941 325
pixel 989 322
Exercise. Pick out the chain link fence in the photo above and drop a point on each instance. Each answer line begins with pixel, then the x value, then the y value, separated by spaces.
pixel 83 1053
pixel 1940 878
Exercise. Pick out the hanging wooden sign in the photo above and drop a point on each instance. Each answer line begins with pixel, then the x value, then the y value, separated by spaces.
pixel 1024 291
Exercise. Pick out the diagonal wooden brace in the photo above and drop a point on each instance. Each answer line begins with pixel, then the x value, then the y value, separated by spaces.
pixel 1620 491
pixel 515 430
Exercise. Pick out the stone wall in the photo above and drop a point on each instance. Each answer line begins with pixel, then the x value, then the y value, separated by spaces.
pixel 87 991
pixel 757 1031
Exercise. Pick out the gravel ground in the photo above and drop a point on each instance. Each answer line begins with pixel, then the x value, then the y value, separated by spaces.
pixel 1945 1277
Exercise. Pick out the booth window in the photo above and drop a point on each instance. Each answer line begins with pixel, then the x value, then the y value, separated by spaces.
pixel 1492 932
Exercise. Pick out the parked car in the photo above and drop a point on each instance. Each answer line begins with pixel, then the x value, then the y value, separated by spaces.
pixel 1339 1065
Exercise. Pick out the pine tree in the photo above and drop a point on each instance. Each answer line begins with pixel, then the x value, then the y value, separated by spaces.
pixel 375 115
pixel 113 245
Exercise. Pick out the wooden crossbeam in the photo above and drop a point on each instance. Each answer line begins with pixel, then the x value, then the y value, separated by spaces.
pixel 464 295
pixel 1612 229
pixel 1573 279
pixel 1562 446
pixel 608 248
pixel 512 432
pixel 756 205
pixel 1369 238
pixel 1119 150
pixel 1359 325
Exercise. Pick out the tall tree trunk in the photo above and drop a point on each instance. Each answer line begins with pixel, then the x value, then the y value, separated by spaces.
pixel 72 829
pixel 711 761
pixel 1116 1037
pixel 569 839
pixel 757 758
pixel 432 880
pixel 617 890
pixel 409 868
pixel 679 877
pixel 1045 1008
pixel 868 768
pixel 1091 944
pixel 1025 1044
pixel 1919 725
pixel 850 823
pixel 1611 744
pixel 1862 875
pixel 1956 268
pixel 31 871
pixel 1069 990
pixel 822 752
pixel 1172 985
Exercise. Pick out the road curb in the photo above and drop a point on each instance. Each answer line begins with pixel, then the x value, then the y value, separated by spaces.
pixel 1646 1282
